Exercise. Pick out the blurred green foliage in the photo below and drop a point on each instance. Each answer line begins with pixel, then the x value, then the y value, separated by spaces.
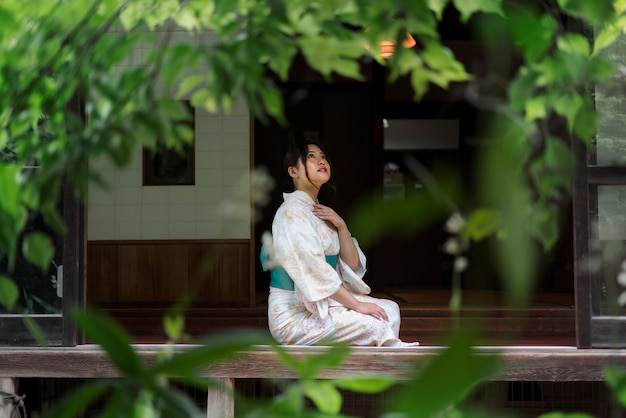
pixel 64 101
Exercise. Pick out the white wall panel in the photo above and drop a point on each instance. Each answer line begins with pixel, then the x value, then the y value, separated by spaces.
pixel 131 211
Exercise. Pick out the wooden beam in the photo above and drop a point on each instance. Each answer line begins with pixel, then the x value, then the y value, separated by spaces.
pixel 581 240
pixel 607 175
pixel 16 333
pixel 555 364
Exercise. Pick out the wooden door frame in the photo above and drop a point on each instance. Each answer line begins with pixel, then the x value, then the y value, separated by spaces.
pixel 592 329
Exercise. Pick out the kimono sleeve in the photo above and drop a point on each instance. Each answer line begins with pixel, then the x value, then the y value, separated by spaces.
pixel 300 252
pixel 353 280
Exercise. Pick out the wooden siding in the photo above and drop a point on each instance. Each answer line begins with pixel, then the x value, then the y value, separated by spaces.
pixel 145 273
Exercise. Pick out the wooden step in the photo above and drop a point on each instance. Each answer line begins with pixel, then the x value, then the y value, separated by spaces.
pixel 427 325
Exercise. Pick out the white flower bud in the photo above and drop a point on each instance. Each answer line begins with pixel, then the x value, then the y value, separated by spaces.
pixel 460 264
pixel 455 223
pixel 261 185
pixel 621 300
pixel 270 255
pixel 451 246
pixel 621 278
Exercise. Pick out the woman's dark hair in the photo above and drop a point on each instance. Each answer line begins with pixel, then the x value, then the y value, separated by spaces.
pixel 297 151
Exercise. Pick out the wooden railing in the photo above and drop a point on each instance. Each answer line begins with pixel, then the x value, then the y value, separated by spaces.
pixel 553 364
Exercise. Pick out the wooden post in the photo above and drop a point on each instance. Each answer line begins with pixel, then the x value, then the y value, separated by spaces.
pixel 8 385
pixel 220 402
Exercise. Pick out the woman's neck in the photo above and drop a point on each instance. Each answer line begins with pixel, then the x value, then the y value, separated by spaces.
pixel 311 191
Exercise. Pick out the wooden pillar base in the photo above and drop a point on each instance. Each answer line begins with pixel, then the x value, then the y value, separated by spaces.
pixel 220 402
pixel 8 385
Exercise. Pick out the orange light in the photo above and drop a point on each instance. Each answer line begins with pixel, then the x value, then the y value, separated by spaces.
pixel 387 47
pixel 409 41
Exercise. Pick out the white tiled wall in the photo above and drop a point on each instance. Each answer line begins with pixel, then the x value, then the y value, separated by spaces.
pixel 216 207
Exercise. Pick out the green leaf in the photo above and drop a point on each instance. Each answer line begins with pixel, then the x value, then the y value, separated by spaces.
pixel 600 70
pixel 290 403
pixel 30 196
pixel 177 404
pixel 565 415
pixel 552 171
pixel 102 330
pixel 574 43
pixel 76 402
pixel 456 298
pixel 586 125
pixel 469 7
pixel 190 83
pixel 287 359
pixel 419 81
pixel 558 155
pixel 38 249
pixel 8 293
pixel 281 63
pixel 508 193
pixel 273 102
pixel 184 133
pixel 4 138
pixel 594 12
pixel 568 106
pixel 35 330
pixel 324 395
pixel 480 224
pixel 566 67
pixel 143 405
pixel 447 379
pixel 437 6
pixel 211 350
pixel 522 88
pixel 605 37
pixel 328 55
pixel 10 191
pixel 442 61
pixel 118 400
pixel 373 218
pixel 311 366
pixel 365 384
pixel 174 325
pixel 533 33
pixel 545 226
pixel 308 367
pixel 616 380
pixel 536 108
pixel 187 19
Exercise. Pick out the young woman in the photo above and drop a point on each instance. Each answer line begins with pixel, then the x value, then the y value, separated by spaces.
pixel 317 294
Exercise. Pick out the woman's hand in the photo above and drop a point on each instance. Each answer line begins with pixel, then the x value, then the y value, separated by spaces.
pixel 329 215
pixel 367 308
pixel 347 249
pixel 347 299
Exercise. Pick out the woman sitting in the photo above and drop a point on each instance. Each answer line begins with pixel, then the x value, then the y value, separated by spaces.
pixel 317 294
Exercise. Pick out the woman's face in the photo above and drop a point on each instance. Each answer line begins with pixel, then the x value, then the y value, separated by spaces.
pixel 317 167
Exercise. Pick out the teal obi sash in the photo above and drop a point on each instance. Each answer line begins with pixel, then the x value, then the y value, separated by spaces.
pixel 279 277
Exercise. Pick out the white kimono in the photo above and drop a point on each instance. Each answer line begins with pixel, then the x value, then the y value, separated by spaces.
pixel 307 315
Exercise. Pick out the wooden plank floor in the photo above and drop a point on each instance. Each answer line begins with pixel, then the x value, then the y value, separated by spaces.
pixel 548 321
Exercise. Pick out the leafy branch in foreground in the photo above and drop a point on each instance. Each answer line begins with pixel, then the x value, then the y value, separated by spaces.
pixel 95 106
pixel 147 390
